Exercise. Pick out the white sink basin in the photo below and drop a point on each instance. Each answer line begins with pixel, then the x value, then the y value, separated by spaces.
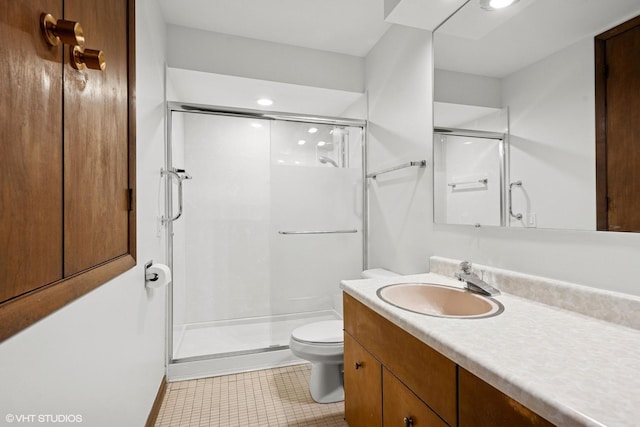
pixel 440 300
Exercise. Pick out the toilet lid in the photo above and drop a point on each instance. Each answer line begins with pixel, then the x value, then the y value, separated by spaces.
pixel 327 331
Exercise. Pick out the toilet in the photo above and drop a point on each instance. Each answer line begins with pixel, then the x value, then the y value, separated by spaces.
pixel 322 344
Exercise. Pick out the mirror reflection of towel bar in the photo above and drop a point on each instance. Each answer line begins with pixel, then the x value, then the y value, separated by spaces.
pixel 319 232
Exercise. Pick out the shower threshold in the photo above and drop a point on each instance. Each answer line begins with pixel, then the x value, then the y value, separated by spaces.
pixel 231 354
pixel 241 345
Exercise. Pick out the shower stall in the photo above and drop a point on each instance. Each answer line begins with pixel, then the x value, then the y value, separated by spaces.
pixel 264 214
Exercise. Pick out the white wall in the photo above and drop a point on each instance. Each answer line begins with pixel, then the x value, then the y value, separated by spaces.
pixel 238 56
pixel 403 235
pixel 102 356
pixel 398 79
pixel 467 89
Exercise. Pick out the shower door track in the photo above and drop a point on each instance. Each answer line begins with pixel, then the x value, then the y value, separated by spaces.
pixel 256 114
pixel 230 354
pixel 262 114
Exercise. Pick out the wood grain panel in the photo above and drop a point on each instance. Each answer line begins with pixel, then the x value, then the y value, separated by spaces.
pixel 482 405
pixel 28 198
pixel 96 137
pixel 400 404
pixel 362 386
pixel 428 373
pixel 623 130
pixel 617 83
pixel 23 311
pixel 31 149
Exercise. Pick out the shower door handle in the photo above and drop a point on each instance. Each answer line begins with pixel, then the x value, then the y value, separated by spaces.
pixel 175 173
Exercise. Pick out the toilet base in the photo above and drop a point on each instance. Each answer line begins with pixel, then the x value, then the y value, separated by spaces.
pixel 327 382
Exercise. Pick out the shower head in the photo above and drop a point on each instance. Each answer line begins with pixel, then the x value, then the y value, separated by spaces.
pixel 324 159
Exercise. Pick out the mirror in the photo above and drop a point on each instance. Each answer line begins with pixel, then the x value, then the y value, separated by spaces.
pixel 533 63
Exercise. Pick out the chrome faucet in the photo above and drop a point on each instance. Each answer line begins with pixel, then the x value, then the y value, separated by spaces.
pixel 473 282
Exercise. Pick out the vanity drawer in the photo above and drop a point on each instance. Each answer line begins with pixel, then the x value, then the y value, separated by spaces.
pixel 429 374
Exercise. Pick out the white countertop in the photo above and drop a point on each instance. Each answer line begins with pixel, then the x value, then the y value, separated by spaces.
pixel 571 369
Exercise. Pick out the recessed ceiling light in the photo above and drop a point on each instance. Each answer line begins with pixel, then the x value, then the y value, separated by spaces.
pixel 265 102
pixel 312 130
pixel 256 125
pixel 302 142
pixel 321 143
pixel 496 4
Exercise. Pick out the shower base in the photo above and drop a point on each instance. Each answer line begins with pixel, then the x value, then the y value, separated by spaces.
pixel 233 346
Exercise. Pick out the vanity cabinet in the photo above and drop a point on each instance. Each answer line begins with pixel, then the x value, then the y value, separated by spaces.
pixel 412 372
pixel 67 208
pixel 391 378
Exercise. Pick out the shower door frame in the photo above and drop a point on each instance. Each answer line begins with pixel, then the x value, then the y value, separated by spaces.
pixel 182 107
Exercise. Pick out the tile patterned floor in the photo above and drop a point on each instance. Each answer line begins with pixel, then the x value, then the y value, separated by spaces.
pixel 272 397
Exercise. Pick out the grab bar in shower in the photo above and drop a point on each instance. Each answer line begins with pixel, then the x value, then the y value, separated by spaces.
pixel 511 214
pixel 319 232
pixel 173 172
pixel 419 163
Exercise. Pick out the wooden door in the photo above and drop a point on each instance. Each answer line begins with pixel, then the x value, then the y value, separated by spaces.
pixel 362 386
pixel 618 132
pixel 96 175
pixel 31 150
pixel 403 408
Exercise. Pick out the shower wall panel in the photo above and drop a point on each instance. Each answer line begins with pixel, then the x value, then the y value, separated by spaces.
pixel 227 218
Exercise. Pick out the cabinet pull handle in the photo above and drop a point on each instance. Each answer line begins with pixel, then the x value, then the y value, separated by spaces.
pixel 89 58
pixel 408 421
pixel 60 30
pixel 358 365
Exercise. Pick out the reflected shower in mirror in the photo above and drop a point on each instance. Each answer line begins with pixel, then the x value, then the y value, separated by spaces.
pixel 468 177
pixel 469 164
pixel 535 59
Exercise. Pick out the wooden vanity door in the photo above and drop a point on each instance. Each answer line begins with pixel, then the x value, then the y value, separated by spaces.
pixel 362 386
pixel 30 149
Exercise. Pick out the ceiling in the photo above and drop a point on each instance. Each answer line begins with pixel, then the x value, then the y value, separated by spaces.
pixel 499 43
pixel 473 41
pixel 350 27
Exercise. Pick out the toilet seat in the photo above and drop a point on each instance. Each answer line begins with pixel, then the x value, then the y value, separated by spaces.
pixel 326 332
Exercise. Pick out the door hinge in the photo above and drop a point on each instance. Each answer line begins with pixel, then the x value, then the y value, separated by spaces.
pixel 129 199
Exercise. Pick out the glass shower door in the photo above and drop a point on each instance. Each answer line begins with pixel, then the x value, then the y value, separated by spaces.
pixel 270 226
